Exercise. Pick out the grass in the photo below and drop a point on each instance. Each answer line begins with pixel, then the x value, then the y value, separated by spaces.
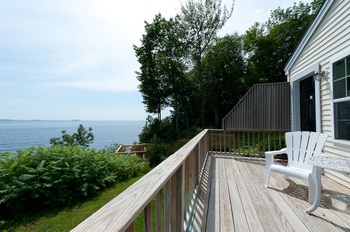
pixel 66 219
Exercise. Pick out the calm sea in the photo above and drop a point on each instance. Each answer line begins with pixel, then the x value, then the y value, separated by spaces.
pixel 21 134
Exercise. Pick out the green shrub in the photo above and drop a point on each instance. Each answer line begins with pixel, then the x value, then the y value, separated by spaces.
pixel 43 178
pixel 157 153
pixel 164 130
pixel 275 141
pixel 82 138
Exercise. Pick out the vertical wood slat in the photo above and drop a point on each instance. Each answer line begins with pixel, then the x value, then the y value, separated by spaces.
pixel 173 203
pixel 180 193
pixel 131 228
pixel 148 217
pixel 245 142
pixel 198 163
pixel 159 211
pixel 167 206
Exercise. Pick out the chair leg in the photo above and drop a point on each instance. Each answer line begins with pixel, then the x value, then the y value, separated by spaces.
pixel 314 184
pixel 267 177
pixel 312 188
pixel 269 161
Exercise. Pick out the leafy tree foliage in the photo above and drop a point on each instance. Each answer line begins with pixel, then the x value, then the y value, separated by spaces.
pixel 270 45
pixel 157 153
pixel 82 138
pixel 161 56
pixel 155 130
pixel 202 21
pixel 223 73
pixel 220 70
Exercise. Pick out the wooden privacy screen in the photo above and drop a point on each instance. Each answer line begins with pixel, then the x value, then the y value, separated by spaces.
pixel 265 107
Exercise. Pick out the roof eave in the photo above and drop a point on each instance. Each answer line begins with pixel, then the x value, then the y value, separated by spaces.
pixel 307 35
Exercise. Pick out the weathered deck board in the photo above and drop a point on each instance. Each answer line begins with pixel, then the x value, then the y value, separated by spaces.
pixel 268 211
pixel 239 218
pixel 236 200
pixel 252 217
pixel 213 219
pixel 199 220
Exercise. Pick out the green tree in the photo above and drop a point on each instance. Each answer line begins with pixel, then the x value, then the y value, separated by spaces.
pixel 203 20
pixel 269 45
pixel 223 71
pixel 82 138
pixel 161 56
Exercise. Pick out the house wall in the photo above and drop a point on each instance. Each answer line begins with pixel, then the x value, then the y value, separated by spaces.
pixel 330 39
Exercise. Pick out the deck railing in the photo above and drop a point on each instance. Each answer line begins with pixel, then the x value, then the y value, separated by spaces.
pixel 173 184
pixel 245 142
pixel 139 149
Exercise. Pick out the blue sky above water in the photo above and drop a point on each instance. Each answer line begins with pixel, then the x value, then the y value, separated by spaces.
pixel 74 59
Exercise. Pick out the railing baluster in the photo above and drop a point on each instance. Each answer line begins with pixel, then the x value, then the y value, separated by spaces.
pixel 131 228
pixel 167 206
pixel 148 217
pixel 264 144
pixel 248 147
pixel 239 142
pixel 225 137
pixel 173 202
pixel 259 147
pixel 159 211
pixel 234 142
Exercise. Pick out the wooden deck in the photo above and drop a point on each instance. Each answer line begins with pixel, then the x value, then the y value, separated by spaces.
pixel 232 197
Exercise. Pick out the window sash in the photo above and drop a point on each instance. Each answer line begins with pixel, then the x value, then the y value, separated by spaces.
pixel 341 98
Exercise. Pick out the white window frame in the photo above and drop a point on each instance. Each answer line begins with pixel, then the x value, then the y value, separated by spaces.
pixel 295 97
pixel 332 101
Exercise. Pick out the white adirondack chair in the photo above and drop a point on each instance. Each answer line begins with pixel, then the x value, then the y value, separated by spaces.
pixel 300 146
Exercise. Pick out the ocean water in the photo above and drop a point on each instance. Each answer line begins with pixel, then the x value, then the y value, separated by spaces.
pixel 21 134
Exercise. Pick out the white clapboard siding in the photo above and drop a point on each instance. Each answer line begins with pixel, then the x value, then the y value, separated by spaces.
pixel 330 37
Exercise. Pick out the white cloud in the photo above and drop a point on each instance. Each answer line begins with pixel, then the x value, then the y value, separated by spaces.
pixel 80 63
pixel 102 84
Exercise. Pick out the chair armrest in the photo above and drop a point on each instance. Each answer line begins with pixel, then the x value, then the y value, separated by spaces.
pixel 270 160
pixel 273 153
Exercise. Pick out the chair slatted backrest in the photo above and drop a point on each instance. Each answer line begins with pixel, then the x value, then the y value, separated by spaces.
pixel 301 145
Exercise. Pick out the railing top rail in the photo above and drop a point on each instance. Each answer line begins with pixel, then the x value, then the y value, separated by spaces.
pixel 119 213
pixel 249 130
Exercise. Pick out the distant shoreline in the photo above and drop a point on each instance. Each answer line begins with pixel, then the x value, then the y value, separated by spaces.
pixel 72 120
pixel 21 134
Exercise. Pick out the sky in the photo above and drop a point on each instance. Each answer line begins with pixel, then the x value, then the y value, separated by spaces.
pixel 74 59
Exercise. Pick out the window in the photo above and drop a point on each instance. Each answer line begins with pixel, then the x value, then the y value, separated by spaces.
pixel 341 98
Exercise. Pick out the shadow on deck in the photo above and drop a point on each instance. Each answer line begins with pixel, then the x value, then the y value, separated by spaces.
pixel 232 197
